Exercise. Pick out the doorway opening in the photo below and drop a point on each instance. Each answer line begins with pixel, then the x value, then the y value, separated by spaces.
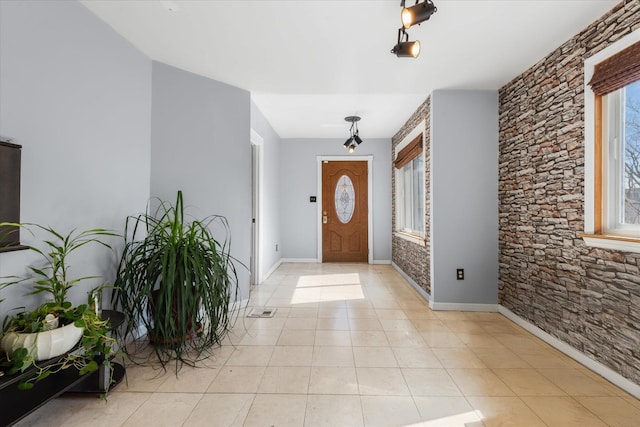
pixel 255 265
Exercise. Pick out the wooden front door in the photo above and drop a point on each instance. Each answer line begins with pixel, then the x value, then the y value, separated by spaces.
pixel 344 211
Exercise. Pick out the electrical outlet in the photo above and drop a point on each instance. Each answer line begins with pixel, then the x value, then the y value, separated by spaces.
pixel 460 273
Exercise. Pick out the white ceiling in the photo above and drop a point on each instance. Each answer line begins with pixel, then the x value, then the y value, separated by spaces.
pixel 310 63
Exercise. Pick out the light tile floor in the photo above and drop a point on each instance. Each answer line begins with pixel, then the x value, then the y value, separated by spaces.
pixel 355 345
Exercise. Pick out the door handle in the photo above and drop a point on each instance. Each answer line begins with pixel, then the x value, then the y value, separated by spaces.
pixel 324 219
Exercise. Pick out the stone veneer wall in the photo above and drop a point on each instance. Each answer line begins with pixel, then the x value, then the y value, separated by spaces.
pixel 586 297
pixel 413 259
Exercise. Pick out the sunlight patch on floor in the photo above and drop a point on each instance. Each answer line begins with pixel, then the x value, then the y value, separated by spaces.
pixel 465 419
pixel 328 280
pixel 327 287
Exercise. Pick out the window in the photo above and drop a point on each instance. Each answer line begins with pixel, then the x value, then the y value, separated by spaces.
pixel 621 161
pixel 410 182
pixel 412 177
pixel 612 146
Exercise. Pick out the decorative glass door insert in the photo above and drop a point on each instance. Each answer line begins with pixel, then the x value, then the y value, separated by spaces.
pixel 345 199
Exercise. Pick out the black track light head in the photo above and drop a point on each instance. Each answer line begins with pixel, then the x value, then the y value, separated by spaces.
pixel 404 48
pixel 417 13
pixel 407 49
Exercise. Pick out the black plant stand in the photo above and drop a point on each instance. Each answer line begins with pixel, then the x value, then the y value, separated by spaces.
pixel 16 403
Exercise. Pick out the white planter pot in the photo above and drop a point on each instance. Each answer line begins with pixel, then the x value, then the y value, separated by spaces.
pixel 43 345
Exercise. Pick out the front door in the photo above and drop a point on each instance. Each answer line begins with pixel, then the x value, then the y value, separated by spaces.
pixel 344 211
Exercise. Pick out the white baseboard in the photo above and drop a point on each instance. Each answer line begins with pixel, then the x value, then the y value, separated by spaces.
pixel 239 305
pixel 597 367
pixel 272 269
pixel 141 332
pixel 460 306
pixel 409 280
pixel 316 261
pixel 300 260
pixel 444 305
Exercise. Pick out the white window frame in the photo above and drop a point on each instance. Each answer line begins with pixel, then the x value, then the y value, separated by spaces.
pixel 612 237
pixel 400 231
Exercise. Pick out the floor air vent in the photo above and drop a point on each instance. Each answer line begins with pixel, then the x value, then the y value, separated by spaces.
pixel 262 312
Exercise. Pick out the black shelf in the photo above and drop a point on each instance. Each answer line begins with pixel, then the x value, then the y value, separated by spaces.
pixel 16 403
pixel 115 318
pixel 94 383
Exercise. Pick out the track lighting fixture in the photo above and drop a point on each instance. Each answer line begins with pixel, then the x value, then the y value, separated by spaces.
pixel 410 16
pixel 404 48
pixel 417 13
pixel 354 137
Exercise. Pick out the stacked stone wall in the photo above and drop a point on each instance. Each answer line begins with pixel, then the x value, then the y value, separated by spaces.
pixel 414 259
pixel 586 297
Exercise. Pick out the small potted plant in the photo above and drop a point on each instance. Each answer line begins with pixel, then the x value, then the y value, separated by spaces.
pixel 56 326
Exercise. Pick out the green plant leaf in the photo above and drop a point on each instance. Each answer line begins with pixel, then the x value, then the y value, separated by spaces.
pixel 25 386
pixel 43 375
pixel 89 367
pixel 19 354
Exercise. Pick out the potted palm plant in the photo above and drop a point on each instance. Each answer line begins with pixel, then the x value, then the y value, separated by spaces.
pixel 176 282
pixel 56 326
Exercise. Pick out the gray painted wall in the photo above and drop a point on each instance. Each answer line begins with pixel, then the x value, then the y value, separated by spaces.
pixel 77 97
pixel 270 190
pixel 200 131
pixel 464 161
pixel 298 181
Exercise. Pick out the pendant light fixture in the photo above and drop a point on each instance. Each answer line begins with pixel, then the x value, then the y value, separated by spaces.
pixel 354 138
pixel 410 16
